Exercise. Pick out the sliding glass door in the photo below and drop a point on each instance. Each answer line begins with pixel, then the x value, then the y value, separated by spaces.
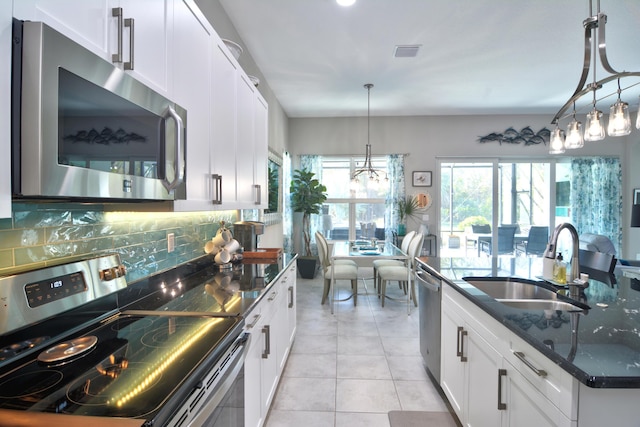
pixel 489 207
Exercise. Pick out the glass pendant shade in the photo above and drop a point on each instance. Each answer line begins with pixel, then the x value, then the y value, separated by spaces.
pixel 556 143
pixel 619 120
pixel 594 130
pixel 574 135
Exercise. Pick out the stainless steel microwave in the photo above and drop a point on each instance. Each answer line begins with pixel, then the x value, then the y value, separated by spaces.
pixel 83 128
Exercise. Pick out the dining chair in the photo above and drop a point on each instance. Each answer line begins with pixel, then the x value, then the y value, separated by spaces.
pixel 404 247
pixel 321 240
pixel 536 242
pixel 402 274
pixel 333 271
pixel 506 238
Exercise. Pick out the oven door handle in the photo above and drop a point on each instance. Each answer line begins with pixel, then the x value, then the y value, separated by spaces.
pixel 221 388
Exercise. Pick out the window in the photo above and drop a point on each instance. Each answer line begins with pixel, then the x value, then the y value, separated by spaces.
pixel 353 210
pixel 527 193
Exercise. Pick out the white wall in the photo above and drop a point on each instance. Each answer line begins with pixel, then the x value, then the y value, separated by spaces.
pixel 427 138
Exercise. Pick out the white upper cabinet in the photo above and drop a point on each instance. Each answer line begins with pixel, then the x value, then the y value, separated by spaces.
pixel 136 40
pixel 87 22
pixel 145 30
pixel 192 87
pixel 5 109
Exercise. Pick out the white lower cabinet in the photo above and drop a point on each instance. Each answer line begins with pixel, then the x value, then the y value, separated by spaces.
pixel 270 342
pixel 489 385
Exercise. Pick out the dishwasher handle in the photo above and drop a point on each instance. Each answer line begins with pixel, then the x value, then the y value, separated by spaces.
pixel 428 281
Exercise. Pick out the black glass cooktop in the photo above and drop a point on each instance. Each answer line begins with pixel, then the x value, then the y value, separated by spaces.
pixel 128 367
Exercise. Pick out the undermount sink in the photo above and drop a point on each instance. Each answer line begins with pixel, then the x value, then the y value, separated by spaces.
pixel 524 294
pixel 540 304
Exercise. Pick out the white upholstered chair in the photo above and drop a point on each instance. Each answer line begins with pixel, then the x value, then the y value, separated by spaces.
pixel 404 247
pixel 402 274
pixel 336 272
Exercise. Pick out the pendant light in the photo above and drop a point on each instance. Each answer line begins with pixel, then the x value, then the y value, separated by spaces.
pixel 595 47
pixel 367 168
pixel 619 120
pixel 574 133
pixel 556 143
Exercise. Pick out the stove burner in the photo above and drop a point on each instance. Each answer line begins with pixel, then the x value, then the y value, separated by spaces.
pixel 25 385
pixel 160 337
pixel 14 349
pixel 68 349
pixel 94 389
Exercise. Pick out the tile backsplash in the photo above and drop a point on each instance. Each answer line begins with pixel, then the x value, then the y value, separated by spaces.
pixel 44 234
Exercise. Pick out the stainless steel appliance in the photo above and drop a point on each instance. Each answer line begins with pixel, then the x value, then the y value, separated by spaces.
pixel 82 127
pixel 167 350
pixel 430 307
pixel 247 232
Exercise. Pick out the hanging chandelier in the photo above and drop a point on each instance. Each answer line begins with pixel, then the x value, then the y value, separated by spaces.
pixel 619 120
pixel 367 168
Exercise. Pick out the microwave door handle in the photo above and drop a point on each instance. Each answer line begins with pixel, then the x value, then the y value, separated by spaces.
pixel 179 154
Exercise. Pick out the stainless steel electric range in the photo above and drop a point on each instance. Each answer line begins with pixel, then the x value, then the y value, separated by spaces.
pixel 76 341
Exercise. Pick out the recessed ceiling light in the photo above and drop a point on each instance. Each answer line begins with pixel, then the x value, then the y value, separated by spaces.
pixel 345 2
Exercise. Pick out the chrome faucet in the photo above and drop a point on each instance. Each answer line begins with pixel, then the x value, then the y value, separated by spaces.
pixel 575 263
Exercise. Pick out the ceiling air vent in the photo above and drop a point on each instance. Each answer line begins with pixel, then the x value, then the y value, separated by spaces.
pixel 406 51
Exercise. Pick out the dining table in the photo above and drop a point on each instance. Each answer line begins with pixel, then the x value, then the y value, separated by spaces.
pixel 361 250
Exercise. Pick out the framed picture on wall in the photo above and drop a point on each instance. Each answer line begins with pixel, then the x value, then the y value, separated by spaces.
pixel 422 178
pixel 636 196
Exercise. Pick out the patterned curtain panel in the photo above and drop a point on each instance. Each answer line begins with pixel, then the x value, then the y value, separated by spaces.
pixel 395 164
pixel 311 163
pixel 596 197
pixel 287 215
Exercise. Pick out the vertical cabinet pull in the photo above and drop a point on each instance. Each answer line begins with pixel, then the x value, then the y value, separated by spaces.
pixel 258 197
pixel 116 12
pixel 266 330
pixel 290 296
pixel 255 321
pixel 460 344
pixel 217 189
pixel 501 373
pixel 130 23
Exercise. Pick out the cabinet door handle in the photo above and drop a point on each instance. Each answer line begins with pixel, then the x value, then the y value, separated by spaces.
pixel 217 189
pixel 116 12
pixel 130 23
pixel 255 321
pixel 460 344
pixel 258 198
pixel 272 296
pixel 290 296
pixel 539 372
pixel 266 330
pixel 501 373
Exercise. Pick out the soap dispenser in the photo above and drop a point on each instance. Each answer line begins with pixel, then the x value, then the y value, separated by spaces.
pixel 560 270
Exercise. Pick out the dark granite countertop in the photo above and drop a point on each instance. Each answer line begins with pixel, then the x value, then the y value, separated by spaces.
pixel 607 354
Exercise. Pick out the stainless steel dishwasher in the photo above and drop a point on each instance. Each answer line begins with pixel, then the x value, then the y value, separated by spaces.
pixel 429 305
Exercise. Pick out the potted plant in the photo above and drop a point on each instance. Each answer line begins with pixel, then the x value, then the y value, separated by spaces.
pixel 407 208
pixel 307 196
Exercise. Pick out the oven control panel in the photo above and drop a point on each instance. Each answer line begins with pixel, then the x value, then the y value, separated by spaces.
pixel 54 289
pixel 32 296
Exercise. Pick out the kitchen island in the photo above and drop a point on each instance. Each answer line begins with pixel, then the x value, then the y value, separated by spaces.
pixel 583 364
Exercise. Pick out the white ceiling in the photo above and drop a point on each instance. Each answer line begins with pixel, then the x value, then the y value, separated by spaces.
pixel 477 56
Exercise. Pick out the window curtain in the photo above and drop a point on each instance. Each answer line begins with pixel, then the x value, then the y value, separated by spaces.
pixel 395 165
pixel 596 197
pixel 311 163
pixel 287 215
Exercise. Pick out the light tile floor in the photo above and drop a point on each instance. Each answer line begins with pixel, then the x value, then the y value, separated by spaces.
pixel 352 367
